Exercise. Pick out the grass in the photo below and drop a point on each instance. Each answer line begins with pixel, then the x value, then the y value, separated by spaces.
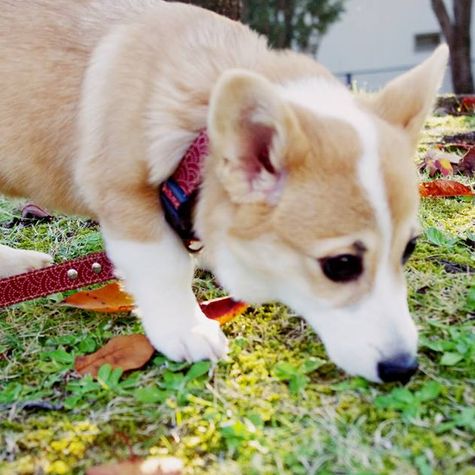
pixel 276 406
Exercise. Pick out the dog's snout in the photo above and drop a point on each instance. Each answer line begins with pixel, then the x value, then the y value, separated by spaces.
pixel 400 368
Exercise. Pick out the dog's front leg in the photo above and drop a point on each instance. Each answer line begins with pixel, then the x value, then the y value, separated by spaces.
pixel 159 275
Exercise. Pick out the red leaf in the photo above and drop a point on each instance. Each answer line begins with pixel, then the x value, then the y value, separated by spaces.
pixel 444 188
pixel 468 104
pixel 223 309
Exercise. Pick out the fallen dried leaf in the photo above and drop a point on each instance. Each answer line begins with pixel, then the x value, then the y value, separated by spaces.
pixel 133 351
pixel 39 406
pixel 456 268
pixel 150 466
pixel 466 165
pixel 126 352
pixel 464 138
pixel 108 299
pixel 223 309
pixel 455 105
pixel 34 212
pixel 111 298
pixel 423 290
pixel 437 160
pixel 444 188
pixel 468 104
pixel 30 214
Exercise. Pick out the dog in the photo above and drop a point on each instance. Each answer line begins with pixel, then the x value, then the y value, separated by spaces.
pixel 308 193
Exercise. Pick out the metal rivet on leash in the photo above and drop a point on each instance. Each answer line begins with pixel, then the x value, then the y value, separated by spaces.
pixel 72 274
pixel 96 268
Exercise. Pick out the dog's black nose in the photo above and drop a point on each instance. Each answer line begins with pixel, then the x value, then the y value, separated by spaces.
pixel 400 368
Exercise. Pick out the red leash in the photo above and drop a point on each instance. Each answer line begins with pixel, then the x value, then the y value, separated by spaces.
pixel 69 275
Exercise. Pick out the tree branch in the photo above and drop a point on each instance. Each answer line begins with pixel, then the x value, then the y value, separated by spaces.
pixel 443 17
pixel 229 8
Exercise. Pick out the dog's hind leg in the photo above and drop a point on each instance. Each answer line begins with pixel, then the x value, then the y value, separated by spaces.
pixel 18 261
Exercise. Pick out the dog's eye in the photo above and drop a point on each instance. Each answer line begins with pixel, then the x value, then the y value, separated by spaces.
pixel 342 268
pixel 411 245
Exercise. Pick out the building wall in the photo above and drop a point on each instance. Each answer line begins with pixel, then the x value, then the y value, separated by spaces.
pixel 379 34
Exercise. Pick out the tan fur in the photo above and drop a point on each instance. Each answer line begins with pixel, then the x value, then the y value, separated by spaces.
pixel 38 124
pixel 45 46
pixel 310 208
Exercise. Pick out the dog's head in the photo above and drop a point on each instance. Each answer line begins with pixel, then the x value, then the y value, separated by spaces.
pixel 314 202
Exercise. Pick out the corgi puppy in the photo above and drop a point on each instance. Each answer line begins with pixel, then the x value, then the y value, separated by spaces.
pixel 308 194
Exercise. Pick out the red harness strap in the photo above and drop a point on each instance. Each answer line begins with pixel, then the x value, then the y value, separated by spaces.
pixel 179 192
pixel 69 275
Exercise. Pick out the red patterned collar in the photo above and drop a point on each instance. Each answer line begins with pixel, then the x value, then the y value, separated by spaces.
pixel 179 192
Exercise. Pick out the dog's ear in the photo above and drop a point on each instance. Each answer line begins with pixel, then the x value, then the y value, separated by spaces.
pixel 407 100
pixel 248 125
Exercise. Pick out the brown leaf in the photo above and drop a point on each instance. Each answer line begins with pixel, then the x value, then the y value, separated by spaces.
pixel 150 466
pixel 444 188
pixel 126 352
pixel 108 299
pixel 133 351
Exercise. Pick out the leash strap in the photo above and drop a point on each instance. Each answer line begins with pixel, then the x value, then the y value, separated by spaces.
pixel 69 275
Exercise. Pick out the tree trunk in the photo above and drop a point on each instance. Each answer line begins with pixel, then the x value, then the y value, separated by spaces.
pixel 229 8
pixel 289 12
pixel 457 35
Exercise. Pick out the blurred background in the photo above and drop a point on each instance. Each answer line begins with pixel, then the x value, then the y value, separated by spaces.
pixel 365 42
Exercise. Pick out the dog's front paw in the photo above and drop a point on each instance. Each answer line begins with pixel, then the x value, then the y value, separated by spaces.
pixel 203 340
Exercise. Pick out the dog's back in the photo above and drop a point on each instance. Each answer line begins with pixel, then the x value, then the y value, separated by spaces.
pixel 45 48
